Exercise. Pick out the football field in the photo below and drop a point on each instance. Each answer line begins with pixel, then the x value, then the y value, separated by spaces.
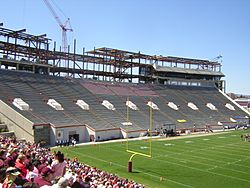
pixel 215 160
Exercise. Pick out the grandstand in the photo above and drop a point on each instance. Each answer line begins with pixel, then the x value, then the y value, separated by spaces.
pixel 48 95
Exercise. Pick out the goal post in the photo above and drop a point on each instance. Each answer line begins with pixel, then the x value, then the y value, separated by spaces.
pixel 133 152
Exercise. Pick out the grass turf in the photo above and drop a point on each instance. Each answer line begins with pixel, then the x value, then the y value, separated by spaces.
pixel 219 160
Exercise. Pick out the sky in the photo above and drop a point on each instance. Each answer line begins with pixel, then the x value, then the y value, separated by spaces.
pixel 183 28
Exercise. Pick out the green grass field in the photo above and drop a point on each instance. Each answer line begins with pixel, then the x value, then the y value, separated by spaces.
pixel 217 160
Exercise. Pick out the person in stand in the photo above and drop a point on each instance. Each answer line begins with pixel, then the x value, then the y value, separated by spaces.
pixel 11 175
pixel 20 164
pixel 58 166
pixel 45 177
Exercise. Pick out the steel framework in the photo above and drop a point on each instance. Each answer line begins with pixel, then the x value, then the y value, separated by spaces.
pixel 23 51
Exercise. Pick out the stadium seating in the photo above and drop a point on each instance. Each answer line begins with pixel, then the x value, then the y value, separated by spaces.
pixel 37 89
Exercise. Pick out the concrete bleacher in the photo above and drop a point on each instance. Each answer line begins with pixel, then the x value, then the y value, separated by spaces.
pixel 4 131
pixel 35 93
pixel 200 96
pixel 203 115
pixel 37 89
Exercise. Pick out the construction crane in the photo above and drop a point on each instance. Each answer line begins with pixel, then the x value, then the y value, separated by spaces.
pixel 65 27
pixel 216 59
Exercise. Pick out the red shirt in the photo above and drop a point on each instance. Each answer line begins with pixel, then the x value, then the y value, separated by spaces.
pixel 22 167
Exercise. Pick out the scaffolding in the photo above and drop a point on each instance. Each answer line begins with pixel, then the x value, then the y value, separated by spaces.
pixel 27 52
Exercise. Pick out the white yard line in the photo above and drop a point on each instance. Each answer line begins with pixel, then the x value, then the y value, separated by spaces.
pixel 214 166
pixel 205 171
pixel 149 174
pixel 183 165
pixel 221 166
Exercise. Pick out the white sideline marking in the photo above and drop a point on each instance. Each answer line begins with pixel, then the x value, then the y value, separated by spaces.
pixel 233 135
pixel 221 137
pixel 143 147
pixel 187 142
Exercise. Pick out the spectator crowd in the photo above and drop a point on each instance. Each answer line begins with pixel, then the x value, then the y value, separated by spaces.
pixel 24 164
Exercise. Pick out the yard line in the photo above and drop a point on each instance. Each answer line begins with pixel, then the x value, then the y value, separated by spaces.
pixel 221 166
pixel 205 171
pixel 117 164
pixel 195 150
pixel 214 166
pixel 186 150
pixel 222 161
pixel 224 146
pixel 239 145
pixel 220 146
pixel 225 163
pixel 225 152
pixel 214 153
pixel 181 160
pixel 244 159
pixel 209 159
pixel 226 155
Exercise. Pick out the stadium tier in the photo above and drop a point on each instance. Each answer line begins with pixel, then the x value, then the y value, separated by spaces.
pixel 47 95
pixel 42 122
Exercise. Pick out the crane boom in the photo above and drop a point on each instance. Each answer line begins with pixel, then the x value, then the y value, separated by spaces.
pixel 61 24
pixel 53 13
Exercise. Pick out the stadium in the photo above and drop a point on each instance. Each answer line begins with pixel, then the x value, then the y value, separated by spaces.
pixel 55 95
pixel 52 97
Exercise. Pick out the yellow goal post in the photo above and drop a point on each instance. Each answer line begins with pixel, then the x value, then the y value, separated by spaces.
pixel 134 153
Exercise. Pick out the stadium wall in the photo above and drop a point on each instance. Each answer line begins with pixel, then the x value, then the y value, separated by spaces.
pixel 108 134
pixel 66 132
pixel 22 127
pixel 133 134
pixel 42 134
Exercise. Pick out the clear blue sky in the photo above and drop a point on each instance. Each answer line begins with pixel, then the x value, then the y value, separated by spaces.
pixel 185 28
